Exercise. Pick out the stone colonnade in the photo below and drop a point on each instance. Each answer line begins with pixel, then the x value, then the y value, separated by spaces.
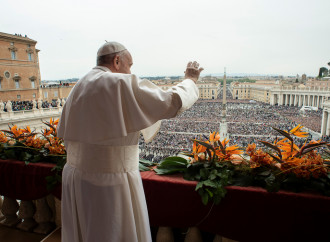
pixel 300 97
pixel 325 129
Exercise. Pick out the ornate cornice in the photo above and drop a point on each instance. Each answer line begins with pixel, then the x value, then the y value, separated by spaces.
pixel 29 50
pixel 33 78
pixel 12 48
pixel 17 78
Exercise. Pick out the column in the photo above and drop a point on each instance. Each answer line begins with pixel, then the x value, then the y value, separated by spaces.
pixel 324 122
pixel 327 125
pixel 318 102
pixel 271 101
pixel 280 102
pixel 297 100
pixel 287 100
pixel 308 100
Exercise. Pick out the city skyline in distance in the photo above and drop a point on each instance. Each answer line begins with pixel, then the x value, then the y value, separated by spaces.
pixel 264 37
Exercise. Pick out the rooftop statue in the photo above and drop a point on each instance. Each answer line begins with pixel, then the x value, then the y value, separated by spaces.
pixel 324 72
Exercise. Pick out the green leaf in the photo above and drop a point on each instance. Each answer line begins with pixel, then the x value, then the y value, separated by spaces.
pixel 204 173
pixel 264 173
pixel 143 167
pixel 174 161
pixel 210 183
pixel 199 185
pixel 10 153
pixel 176 158
pixel 146 162
pixel 169 170
pixel 212 176
pixel 209 192
pixel 205 198
pixel 271 184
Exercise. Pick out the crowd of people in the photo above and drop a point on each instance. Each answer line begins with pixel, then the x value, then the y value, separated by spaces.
pixel 28 105
pixel 247 123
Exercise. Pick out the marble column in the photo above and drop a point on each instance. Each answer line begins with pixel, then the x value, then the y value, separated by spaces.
pixel 328 125
pixel 324 122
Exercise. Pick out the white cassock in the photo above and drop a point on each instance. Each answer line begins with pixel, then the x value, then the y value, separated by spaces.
pixel 102 192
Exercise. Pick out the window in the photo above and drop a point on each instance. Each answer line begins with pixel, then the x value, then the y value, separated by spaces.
pixel 17 83
pixel 55 94
pixel 45 94
pixel 13 55
pixel 33 85
pixel 18 96
pixel 30 56
pixel 7 74
pixel 34 95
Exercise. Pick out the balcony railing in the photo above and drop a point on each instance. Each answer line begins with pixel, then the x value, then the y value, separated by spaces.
pixel 43 215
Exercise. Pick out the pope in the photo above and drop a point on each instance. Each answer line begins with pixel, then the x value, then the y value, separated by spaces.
pixel 101 121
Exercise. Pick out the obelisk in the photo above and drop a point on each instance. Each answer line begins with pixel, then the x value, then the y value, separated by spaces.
pixel 223 123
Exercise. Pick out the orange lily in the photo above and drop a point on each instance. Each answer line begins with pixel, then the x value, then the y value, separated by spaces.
pixel 197 149
pixel 3 137
pixel 214 137
pixel 297 131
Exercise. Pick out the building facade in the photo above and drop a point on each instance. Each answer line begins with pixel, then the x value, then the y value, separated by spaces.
pixel 259 91
pixel 19 68
pixel 208 88
pixel 282 94
pixel 55 91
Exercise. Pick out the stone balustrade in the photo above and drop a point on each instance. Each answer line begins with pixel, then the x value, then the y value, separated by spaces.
pixel 33 118
pixel 38 216
pixel 42 216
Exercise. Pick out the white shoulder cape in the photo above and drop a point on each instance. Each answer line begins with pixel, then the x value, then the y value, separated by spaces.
pixel 105 105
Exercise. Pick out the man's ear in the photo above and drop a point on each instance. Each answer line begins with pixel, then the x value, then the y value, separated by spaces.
pixel 116 62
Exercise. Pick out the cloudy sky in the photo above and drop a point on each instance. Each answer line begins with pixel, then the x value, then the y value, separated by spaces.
pixel 285 37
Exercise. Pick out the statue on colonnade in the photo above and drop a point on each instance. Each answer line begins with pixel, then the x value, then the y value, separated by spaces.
pixel 324 72
pixel 39 103
pixel 34 104
pixel 2 106
pixel 9 106
pixel 58 102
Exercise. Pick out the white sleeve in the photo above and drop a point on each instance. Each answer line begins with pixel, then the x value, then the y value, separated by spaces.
pixel 186 94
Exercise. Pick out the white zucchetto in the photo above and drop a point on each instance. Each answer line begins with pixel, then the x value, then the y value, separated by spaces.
pixel 110 48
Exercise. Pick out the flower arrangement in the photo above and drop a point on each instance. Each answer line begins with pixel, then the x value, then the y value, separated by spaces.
pixel 30 146
pixel 278 165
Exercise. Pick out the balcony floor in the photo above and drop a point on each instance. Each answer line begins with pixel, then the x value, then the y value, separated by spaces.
pixel 15 235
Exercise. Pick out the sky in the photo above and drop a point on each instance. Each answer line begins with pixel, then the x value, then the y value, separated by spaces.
pixel 266 37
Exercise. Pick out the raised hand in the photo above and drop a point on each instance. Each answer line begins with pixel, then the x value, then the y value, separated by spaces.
pixel 193 71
